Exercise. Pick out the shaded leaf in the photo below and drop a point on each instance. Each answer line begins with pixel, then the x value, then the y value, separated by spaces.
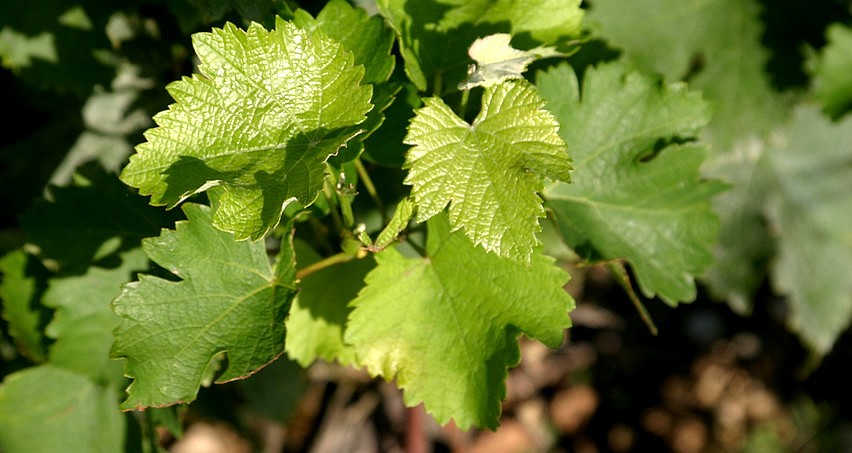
pixel 368 38
pixel 229 300
pixel 744 250
pixel 74 229
pixel 399 222
pixel 434 35
pixel 83 322
pixel 22 281
pixel 716 44
pixel 811 211
pixel 318 315
pixel 637 195
pixel 831 71
pixel 48 408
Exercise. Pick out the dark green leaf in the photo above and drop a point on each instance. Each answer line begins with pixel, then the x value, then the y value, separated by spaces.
pixel 229 302
pixel 637 195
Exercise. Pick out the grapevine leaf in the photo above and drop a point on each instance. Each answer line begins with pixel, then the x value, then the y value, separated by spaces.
pixel 265 113
pixel 23 281
pixel 229 301
pixel 744 249
pixel 56 45
pixel 449 336
pixel 370 41
pixel 368 38
pixel 385 145
pixel 399 222
pixel 496 60
pixel 72 229
pixel 434 34
pixel 17 50
pixel 276 391
pixel 48 408
pixel 811 211
pixel 83 322
pixel 716 43
pixel 488 172
pixel 635 195
pixel 831 69
pixel 383 96
pixel 318 314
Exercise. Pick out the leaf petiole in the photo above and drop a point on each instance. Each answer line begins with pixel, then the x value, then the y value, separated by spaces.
pixel 463 103
pixel 333 200
pixel 623 280
pixel 328 261
pixel 371 189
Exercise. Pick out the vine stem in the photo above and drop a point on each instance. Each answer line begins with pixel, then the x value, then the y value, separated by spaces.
pixel 323 263
pixel 371 189
pixel 151 430
pixel 463 103
pixel 333 202
pixel 617 268
pixel 418 248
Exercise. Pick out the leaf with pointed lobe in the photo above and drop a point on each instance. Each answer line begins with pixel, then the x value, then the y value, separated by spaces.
pixel 446 326
pixel 637 193
pixel 488 172
pixel 229 302
pixel 264 114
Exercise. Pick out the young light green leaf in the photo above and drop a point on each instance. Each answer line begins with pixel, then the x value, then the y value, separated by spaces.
pixel 401 216
pixel 832 69
pixel 265 113
pixel 229 300
pixel 488 172
pixel 634 196
pixel 810 209
pixel 48 408
pixel 496 61
pixel 370 40
pixel 446 336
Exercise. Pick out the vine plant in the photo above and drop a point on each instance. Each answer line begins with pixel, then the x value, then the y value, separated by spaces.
pixel 371 190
